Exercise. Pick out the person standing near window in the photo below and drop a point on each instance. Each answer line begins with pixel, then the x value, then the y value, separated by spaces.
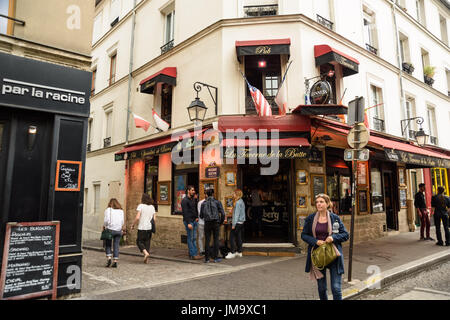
pixel 439 206
pixel 145 214
pixel 422 211
pixel 114 221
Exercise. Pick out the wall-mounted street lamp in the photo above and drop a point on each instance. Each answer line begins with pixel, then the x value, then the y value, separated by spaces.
pixel 197 109
pixel 32 131
pixel 421 136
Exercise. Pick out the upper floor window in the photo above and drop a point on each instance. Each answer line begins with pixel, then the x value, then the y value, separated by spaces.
pixel 7 10
pixel 447 73
pixel 108 127
pixel 94 76
pixel 443 25
pixel 166 102
pixel 97 29
pixel 377 113
pixel 369 25
pixel 257 9
pixel 323 13
pixel 114 12
pixel 112 68
pixel 431 118
pixel 169 27
pixel 420 11
pixel 410 131
pixel 89 137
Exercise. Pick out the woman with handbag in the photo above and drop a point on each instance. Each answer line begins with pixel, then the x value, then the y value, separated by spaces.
pixel 324 232
pixel 113 228
pixel 146 217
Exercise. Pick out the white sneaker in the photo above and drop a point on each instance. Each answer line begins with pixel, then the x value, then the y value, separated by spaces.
pixel 239 254
pixel 230 255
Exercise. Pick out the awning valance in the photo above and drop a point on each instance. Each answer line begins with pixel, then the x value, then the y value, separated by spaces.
pixel 166 75
pixel 262 47
pixel 326 54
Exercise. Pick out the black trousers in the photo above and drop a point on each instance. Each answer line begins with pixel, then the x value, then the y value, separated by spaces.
pixel 236 238
pixel 211 227
pixel 437 223
pixel 143 240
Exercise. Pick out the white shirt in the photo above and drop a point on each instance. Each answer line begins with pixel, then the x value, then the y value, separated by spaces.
pixel 147 213
pixel 199 206
pixel 114 219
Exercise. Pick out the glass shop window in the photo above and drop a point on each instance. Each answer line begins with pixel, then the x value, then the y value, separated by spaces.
pixel 377 190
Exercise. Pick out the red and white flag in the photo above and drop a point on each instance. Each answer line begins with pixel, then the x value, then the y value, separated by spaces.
pixel 262 106
pixel 141 122
pixel 160 123
pixel 281 100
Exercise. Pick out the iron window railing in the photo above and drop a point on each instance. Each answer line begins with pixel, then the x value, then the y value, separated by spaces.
pixel 371 49
pixel 378 124
pixel 261 10
pixel 434 140
pixel 325 22
pixel 168 46
pixel 107 142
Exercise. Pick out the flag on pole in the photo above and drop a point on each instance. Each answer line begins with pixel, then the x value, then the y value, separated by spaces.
pixel 141 122
pixel 262 106
pixel 281 97
pixel 160 123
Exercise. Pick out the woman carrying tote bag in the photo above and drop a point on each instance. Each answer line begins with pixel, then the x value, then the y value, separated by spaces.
pixel 114 222
pixel 145 215
pixel 325 227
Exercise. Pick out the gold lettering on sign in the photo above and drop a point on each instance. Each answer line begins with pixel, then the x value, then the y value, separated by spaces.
pixel 263 50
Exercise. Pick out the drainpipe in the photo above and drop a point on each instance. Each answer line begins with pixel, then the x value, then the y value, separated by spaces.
pixel 399 59
pixel 130 72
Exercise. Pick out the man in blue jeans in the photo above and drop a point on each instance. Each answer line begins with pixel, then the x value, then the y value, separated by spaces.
pixel 190 220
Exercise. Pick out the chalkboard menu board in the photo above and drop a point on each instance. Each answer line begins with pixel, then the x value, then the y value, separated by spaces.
pixel 68 175
pixel 318 186
pixel 30 260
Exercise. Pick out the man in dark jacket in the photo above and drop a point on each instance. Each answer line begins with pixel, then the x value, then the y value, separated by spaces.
pixel 213 214
pixel 190 220
pixel 422 211
pixel 439 206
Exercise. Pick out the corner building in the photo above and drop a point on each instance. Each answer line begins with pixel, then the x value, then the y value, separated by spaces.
pixel 147 55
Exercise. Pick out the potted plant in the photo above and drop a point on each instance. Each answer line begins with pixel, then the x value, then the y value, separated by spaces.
pixel 428 74
pixel 408 67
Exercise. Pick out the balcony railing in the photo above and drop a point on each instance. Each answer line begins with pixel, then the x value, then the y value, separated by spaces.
pixel 261 10
pixel 378 124
pixel 371 49
pixel 250 106
pixel 112 80
pixel 325 22
pixel 88 147
pixel 434 140
pixel 107 142
pixel 168 46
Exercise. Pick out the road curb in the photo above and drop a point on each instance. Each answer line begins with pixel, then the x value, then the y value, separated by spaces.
pixel 141 256
pixel 389 276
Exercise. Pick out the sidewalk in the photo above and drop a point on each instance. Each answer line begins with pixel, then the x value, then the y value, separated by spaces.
pixel 374 263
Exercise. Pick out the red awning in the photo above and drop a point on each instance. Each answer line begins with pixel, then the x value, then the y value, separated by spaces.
pixel 325 54
pixel 285 142
pixel 157 142
pixel 287 123
pixel 263 47
pixel 166 75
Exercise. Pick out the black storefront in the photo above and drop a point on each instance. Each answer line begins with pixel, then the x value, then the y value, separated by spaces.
pixel 44 109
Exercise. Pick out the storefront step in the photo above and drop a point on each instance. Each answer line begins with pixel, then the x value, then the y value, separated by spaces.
pixel 270 249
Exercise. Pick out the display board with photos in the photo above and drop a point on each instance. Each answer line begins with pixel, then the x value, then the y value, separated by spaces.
pixel 164 192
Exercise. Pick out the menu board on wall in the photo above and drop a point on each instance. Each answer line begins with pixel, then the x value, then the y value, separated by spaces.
pixel 403 203
pixel 362 173
pixel 68 175
pixel 317 185
pixel 30 260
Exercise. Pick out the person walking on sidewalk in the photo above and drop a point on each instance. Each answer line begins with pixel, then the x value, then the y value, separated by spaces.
pixel 190 220
pixel 114 221
pixel 439 206
pixel 237 226
pixel 214 215
pixel 145 214
pixel 422 211
pixel 322 227
pixel 201 229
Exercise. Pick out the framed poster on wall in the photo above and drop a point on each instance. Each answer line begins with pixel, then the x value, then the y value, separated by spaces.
pixel 403 203
pixel 363 201
pixel 402 176
pixel 318 185
pixel 206 184
pixel 363 171
pixel 163 192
